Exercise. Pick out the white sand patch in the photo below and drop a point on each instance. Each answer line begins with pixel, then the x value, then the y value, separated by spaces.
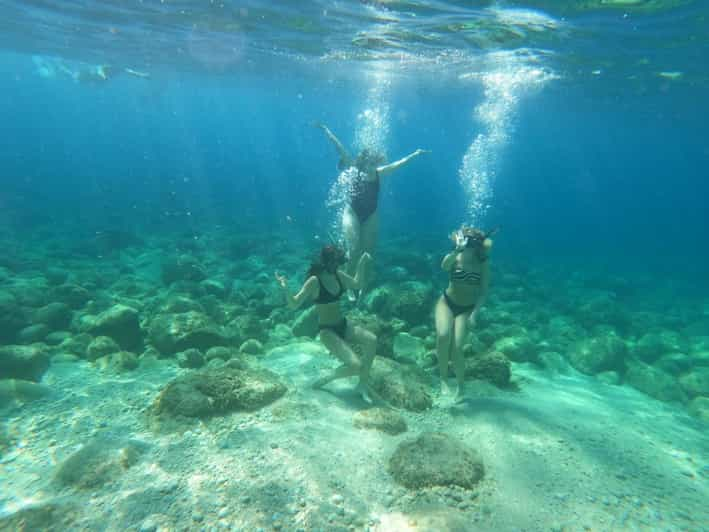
pixel 564 453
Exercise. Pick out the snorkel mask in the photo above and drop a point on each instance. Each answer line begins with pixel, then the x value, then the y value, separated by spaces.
pixel 332 257
pixel 474 238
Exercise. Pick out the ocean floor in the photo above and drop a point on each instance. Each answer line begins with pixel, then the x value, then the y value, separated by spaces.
pixel 560 452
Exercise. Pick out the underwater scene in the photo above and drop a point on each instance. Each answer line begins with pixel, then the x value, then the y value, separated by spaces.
pixel 340 265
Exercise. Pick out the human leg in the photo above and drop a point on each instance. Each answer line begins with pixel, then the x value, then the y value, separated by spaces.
pixel 339 348
pixel 369 235
pixel 444 326
pixel 351 227
pixel 460 329
pixel 368 343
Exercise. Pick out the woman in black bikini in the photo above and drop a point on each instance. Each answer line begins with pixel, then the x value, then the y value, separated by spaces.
pixel 324 285
pixel 469 270
pixel 360 220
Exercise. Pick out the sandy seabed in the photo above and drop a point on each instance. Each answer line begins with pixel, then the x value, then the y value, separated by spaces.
pixel 562 452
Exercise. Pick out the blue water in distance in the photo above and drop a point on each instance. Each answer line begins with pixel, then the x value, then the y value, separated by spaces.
pixel 599 166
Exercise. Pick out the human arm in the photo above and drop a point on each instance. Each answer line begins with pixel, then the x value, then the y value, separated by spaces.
pixel 484 285
pixel 307 292
pixel 389 168
pixel 345 159
pixel 449 260
pixel 356 282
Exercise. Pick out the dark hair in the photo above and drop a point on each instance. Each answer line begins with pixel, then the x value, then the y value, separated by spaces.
pixel 366 159
pixel 330 256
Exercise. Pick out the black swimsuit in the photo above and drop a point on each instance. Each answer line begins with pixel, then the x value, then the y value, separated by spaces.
pixel 364 197
pixel 325 297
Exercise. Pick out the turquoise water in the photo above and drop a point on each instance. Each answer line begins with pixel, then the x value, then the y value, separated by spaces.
pixel 162 160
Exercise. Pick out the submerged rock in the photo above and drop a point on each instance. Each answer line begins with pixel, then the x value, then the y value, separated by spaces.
pixel 33 333
pixel 699 407
pixel 674 363
pixel 101 346
pixel 436 459
pixel 219 391
pixel 119 362
pixel 554 362
pixel 172 333
pixel 190 358
pixel 403 386
pixel 73 295
pixel 219 352
pixel 27 362
pixel 411 301
pixel 251 347
pixel 696 382
pixel 182 268
pixel 20 390
pixel 48 516
pixel 98 462
pixel 654 382
pixel 653 345
pixel 121 323
pixel 381 419
pixel 408 348
pixel 599 353
pixel 56 316
pixel 518 348
pixel 493 367
pixel 12 319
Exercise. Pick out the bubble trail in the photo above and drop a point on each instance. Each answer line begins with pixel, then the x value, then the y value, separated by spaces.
pixel 504 86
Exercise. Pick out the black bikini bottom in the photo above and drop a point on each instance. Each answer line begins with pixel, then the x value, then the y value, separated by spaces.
pixel 457 310
pixel 338 328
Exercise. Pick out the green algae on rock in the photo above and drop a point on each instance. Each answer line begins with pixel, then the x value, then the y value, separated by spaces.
pixel 217 391
pixel 172 333
pixel 98 462
pixel 46 516
pixel 382 419
pixel 28 362
pixel 654 382
pixel 598 353
pixel 436 459
pixel 119 322
pixel 403 386
pixel 101 346
pixel 493 367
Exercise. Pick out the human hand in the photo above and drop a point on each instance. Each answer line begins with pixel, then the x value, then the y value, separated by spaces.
pixel 282 280
pixel 366 257
pixel 460 240
pixel 420 151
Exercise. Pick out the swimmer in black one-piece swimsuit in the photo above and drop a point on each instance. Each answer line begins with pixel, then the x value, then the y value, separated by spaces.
pixel 360 221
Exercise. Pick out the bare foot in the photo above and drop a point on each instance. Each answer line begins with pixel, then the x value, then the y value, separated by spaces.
pixel 460 395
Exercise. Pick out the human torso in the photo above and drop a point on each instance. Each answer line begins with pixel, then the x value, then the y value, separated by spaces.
pixel 364 195
pixel 465 284
pixel 330 289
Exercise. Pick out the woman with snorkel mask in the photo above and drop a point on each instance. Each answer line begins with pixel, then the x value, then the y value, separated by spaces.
pixel 360 219
pixel 324 284
pixel 469 270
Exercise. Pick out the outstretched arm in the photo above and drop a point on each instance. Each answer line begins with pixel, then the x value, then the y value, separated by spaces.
pixel 345 158
pixel 307 292
pixel 389 168
pixel 355 283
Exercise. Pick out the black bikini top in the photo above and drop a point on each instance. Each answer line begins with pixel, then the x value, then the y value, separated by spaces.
pixel 459 275
pixel 325 296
